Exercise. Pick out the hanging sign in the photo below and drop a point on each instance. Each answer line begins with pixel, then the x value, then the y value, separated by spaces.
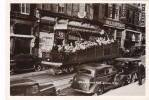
pixel 81 13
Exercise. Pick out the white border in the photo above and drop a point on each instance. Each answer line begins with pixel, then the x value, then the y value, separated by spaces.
pixel 146 97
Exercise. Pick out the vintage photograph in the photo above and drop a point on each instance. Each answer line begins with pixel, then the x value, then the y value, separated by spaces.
pixel 77 49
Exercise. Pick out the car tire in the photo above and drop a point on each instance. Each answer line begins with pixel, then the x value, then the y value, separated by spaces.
pixel 128 79
pixel 100 90
pixel 12 70
pixel 38 67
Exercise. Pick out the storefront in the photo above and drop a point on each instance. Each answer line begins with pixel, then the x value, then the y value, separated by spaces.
pixel 115 30
pixel 22 34
pixel 46 34
pixel 69 33
pixel 132 39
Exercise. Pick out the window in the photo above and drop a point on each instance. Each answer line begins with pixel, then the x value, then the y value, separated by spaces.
pixel 101 73
pixel 25 8
pixel 61 8
pixel 85 71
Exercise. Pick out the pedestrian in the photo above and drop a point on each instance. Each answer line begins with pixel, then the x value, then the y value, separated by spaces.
pixel 140 72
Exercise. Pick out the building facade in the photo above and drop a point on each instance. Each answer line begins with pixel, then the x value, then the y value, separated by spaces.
pixel 36 27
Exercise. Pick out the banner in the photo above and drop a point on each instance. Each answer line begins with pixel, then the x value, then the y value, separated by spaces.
pixel 46 41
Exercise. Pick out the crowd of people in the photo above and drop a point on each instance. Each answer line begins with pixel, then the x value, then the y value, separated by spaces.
pixel 82 45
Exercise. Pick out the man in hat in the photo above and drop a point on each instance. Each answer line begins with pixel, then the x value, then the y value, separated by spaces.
pixel 140 72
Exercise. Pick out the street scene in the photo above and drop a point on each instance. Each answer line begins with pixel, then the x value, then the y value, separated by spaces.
pixel 77 49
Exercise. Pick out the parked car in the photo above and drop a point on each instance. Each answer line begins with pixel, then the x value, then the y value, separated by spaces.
pixel 128 67
pixel 28 87
pixel 96 78
pixel 23 62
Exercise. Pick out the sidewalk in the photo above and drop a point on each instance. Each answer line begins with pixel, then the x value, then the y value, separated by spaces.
pixel 129 90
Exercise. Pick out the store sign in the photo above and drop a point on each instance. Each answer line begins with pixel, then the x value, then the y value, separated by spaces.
pixel 45 42
pixel 115 24
pixel 81 13
pixel 60 35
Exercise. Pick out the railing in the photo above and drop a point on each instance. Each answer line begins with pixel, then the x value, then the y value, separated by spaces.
pixel 94 52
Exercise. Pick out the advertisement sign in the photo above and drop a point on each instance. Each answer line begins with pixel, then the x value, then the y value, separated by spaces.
pixel 45 42
pixel 81 13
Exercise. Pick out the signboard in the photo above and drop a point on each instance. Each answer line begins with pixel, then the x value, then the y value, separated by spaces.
pixel 45 42
pixel 81 13
pixel 116 24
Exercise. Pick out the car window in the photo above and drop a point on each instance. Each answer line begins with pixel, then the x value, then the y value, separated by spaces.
pixel 109 71
pixel 31 89
pixel 85 71
pixel 101 73
pixel 16 91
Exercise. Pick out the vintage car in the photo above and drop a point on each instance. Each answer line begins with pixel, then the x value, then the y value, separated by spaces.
pixel 28 87
pixel 128 67
pixel 23 62
pixel 95 78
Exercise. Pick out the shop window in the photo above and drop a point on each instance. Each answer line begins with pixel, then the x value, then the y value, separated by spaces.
pixel 22 29
pixel 25 8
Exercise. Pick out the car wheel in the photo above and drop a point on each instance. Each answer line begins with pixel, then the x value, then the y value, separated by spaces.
pixel 38 67
pixel 128 79
pixel 100 90
pixel 12 70
pixel 134 77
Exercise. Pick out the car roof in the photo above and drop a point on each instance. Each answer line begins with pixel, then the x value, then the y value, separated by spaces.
pixel 127 59
pixel 94 66
pixel 22 82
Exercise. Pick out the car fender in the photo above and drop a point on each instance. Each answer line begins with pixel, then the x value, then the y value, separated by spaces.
pixel 94 88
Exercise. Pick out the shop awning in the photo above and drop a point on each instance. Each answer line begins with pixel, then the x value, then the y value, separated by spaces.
pixel 114 27
pixel 75 28
pixel 22 36
pixel 133 31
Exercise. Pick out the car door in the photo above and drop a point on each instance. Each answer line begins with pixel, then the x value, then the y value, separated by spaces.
pixel 110 75
pixel 21 64
pixel 101 76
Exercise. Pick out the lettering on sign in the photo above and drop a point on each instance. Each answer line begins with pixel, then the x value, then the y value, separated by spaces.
pixel 116 24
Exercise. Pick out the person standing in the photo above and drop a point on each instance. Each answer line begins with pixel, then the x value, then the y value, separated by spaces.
pixel 140 72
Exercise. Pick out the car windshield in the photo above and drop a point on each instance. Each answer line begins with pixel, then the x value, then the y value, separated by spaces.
pixel 16 91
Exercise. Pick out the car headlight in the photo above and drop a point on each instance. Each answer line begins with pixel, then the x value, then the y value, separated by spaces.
pixel 48 59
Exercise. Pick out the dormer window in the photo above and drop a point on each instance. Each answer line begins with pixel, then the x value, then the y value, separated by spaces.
pixel 25 8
